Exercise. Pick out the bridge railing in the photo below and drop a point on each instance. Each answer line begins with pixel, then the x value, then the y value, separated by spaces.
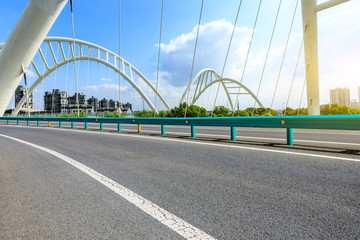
pixel 342 122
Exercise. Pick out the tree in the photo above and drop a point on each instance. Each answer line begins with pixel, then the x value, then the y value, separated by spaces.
pixel 289 111
pixel 192 111
pixel 144 113
pixel 163 113
pixel 241 113
pixel 221 111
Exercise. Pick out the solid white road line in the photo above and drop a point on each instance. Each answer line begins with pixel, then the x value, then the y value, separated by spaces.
pixel 203 143
pixel 178 225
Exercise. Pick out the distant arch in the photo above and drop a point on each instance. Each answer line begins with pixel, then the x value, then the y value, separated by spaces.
pixel 126 70
pixel 208 77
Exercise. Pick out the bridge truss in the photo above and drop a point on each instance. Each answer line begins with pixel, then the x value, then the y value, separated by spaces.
pixel 85 51
pixel 207 78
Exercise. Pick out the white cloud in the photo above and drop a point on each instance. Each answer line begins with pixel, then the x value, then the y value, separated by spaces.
pixel 106 79
pixel 30 73
pixel 103 87
pixel 213 42
pixel 337 15
pixel 211 50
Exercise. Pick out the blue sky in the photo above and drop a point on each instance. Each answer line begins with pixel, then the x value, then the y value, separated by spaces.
pixel 97 22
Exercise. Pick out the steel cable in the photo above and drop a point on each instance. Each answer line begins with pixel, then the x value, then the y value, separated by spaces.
pixel 247 55
pixel 192 66
pixel 158 64
pixel 267 55
pixel 227 55
pixel 292 82
pixel 283 57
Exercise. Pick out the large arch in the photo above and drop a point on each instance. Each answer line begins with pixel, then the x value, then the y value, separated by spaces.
pixel 126 70
pixel 208 77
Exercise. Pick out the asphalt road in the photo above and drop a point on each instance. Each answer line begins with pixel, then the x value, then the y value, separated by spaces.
pixel 248 189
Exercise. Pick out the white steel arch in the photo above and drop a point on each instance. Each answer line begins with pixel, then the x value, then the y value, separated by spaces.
pixel 208 77
pixel 112 60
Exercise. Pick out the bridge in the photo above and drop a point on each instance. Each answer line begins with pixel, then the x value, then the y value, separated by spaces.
pixel 171 177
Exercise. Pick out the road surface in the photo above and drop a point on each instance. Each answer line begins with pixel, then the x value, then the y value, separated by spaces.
pixel 52 184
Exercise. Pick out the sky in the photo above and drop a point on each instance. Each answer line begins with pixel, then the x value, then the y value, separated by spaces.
pixel 98 22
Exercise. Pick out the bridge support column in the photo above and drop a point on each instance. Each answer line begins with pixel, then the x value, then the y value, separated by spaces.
pixel 162 130
pixel 192 131
pixel 23 43
pixel 309 17
pixel 289 136
pixel 233 133
pixel 101 126
pixel 86 125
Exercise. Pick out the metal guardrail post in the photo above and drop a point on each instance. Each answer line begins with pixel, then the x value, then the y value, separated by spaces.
pixel 72 124
pixel 49 124
pixel 28 123
pixel 7 122
pixel 119 127
pixel 192 131
pixel 139 128
pixel 86 125
pixel 60 124
pixel 163 130
pixel 101 126
pixel 17 122
pixel 38 123
pixel 289 136
pixel 233 133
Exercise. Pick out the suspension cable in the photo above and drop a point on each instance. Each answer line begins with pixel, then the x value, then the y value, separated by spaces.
pixel 266 58
pixel 76 80
pixel 292 82
pixel 119 56
pixel 193 61
pixel 302 93
pixel 158 64
pixel 227 55
pixel 284 54
pixel 247 55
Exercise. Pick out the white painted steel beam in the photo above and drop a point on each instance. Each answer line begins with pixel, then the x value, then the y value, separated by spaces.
pixel 114 66
pixel 23 43
pixel 329 4
pixel 309 17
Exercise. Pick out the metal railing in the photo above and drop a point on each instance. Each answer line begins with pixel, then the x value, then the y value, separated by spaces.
pixel 342 122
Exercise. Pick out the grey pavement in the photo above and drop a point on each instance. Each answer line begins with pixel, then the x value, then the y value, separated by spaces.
pixel 230 193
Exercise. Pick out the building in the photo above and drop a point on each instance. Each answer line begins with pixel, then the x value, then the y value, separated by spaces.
pixel 354 103
pixel 20 92
pixel 359 94
pixel 126 107
pixel 94 103
pixel 340 96
pixel 56 101
pixel 60 102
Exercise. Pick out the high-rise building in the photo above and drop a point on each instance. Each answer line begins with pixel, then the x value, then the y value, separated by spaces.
pixel 56 101
pixel 340 96
pixel 20 92
pixel 60 102
pixel 94 103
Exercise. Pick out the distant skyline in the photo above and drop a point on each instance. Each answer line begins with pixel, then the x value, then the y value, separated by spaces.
pixel 97 22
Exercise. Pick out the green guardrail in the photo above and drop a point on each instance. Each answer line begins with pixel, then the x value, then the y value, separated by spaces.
pixel 344 122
